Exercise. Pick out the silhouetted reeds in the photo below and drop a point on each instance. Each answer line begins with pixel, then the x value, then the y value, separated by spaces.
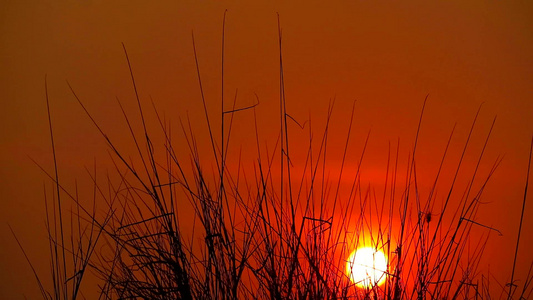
pixel 177 225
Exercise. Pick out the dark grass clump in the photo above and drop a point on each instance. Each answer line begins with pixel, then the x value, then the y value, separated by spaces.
pixel 178 225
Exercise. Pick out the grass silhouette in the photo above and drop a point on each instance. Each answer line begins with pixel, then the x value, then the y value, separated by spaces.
pixel 181 226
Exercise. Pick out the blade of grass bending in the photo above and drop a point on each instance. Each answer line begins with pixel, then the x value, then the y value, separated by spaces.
pixel 204 103
pixel 57 183
pixel 45 294
pixel 521 221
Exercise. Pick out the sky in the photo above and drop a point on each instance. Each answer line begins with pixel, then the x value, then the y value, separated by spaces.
pixel 386 57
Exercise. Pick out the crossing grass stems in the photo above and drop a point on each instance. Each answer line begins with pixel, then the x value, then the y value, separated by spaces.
pixel 263 232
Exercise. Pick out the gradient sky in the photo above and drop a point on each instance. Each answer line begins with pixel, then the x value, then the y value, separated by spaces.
pixel 387 56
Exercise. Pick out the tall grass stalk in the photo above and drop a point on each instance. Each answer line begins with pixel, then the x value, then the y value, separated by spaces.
pixel 177 225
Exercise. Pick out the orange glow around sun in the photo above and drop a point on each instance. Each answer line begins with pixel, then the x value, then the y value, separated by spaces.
pixel 367 267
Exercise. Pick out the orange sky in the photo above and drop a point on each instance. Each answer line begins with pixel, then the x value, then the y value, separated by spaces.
pixel 386 56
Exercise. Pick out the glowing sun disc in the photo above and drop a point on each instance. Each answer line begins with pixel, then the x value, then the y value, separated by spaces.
pixel 367 267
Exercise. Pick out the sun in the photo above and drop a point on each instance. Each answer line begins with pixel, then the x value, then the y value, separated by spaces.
pixel 367 267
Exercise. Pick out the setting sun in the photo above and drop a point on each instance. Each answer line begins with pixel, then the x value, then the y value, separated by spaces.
pixel 366 267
